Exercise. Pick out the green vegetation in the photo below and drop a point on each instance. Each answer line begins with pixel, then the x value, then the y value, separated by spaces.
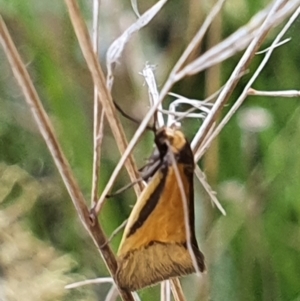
pixel 253 253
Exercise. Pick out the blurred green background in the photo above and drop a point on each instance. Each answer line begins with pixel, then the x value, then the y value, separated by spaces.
pixel 253 253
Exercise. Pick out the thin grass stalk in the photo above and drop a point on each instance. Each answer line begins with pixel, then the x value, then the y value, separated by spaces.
pixel 234 78
pixel 125 155
pixel 46 129
pixel 244 94
pixel 116 48
pixel 103 93
pixel 112 294
pixel 172 78
pixel 212 195
pixel 89 282
pixel 134 140
pixel 287 93
pixel 177 290
pixel 211 160
pixel 236 42
pixel 165 290
pixel 98 122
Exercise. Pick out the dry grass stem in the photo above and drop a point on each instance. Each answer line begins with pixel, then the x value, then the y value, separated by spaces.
pixel 124 157
pixel 97 141
pixel 278 45
pixel 234 78
pixel 237 41
pixel 116 48
pixel 173 77
pixel 177 290
pixel 112 294
pixel 244 94
pixel 135 8
pixel 165 291
pixel 288 93
pixel 212 194
pixel 175 116
pixel 42 119
pixel 103 93
pixel 89 281
pixel 249 37
pixel 153 93
pixel 58 156
pixel 98 122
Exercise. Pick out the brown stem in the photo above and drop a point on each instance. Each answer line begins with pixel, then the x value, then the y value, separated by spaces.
pixel 99 81
pixel 46 129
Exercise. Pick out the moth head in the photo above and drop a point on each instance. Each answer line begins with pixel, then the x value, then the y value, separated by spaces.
pixel 169 137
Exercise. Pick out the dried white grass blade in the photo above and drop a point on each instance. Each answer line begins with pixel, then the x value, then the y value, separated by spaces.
pixel 153 92
pixel 205 101
pixel 98 121
pixel 197 38
pixel 182 115
pixel 165 291
pixel 203 105
pixel 234 43
pixel 136 296
pixel 195 41
pixel 96 8
pixel 112 294
pixel 135 8
pixel 197 104
pixel 116 48
pixel 212 194
pixel 89 281
pixel 97 140
pixel 278 45
pixel 288 93
pixel 248 86
pixel 232 81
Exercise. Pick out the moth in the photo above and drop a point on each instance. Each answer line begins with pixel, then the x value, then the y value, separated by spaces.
pixel 154 244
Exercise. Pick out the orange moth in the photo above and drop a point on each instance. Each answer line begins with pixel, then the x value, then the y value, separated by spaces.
pixel 154 246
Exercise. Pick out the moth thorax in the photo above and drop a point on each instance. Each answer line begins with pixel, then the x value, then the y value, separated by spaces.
pixel 175 139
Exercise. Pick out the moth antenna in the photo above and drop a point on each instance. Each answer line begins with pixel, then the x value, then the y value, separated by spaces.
pixel 148 127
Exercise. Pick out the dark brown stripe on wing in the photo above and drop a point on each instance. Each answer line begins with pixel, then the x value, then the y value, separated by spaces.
pixel 151 203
